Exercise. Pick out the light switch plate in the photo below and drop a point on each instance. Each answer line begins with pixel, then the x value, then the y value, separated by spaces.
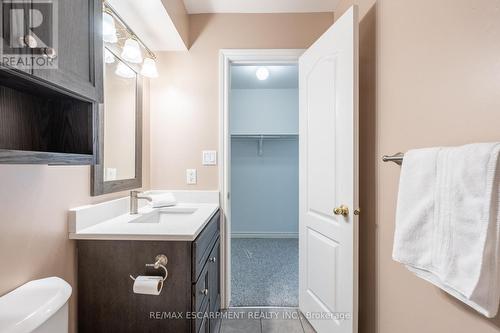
pixel 191 176
pixel 209 157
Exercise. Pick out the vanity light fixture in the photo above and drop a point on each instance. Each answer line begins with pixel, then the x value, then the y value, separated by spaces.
pixel 109 29
pixel 262 73
pixel 149 68
pixel 109 58
pixel 124 71
pixel 132 51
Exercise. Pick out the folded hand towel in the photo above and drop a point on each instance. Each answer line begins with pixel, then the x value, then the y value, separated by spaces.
pixel 162 200
pixel 447 221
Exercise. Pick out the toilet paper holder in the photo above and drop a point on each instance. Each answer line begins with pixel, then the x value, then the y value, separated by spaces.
pixel 161 261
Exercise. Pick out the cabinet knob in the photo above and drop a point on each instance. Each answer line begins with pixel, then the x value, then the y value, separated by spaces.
pixel 29 41
pixel 50 52
pixel 204 291
pixel 214 259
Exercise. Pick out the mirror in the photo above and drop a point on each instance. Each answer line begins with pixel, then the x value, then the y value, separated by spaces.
pixel 120 128
pixel 119 121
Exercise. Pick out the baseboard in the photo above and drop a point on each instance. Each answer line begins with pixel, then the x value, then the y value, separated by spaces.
pixel 265 235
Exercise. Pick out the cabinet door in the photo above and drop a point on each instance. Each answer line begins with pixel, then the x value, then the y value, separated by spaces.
pixel 14 27
pixel 200 300
pixel 79 49
pixel 214 284
pixel 205 327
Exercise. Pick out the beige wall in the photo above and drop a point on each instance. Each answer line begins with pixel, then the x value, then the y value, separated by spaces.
pixel 430 75
pixel 34 201
pixel 184 100
pixel 179 16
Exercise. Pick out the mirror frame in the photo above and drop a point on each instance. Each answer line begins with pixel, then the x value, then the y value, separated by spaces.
pixel 98 185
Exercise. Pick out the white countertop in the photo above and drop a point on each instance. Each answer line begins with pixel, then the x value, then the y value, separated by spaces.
pixel 182 222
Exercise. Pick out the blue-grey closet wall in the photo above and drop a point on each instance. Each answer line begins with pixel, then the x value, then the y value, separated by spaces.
pixel 264 189
pixel 264 111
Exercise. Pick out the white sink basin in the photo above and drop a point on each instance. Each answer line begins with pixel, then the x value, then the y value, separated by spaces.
pixel 156 216
pixel 151 217
pixel 178 210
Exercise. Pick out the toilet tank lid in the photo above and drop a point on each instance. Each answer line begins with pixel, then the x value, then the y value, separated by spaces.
pixel 30 305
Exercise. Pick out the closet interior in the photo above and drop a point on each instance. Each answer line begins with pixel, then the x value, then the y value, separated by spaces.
pixel 263 122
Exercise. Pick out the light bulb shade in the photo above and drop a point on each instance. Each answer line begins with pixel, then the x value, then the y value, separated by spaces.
pixel 132 51
pixel 124 71
pixel 149 68
pixel 262 73
pixel 108 29
pixel 109 58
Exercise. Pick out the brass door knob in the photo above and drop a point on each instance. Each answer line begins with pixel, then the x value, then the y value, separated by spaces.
pixel 342 210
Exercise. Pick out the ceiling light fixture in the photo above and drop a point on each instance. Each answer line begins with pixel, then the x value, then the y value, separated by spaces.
pixel 262 73
pixel 124 71
pixel 109 58
pixel 109 29
pixel 132 51
pixel 149 68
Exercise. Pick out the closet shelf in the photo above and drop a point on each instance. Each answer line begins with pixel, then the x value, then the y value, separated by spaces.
pixel 261 137
pixel 265 136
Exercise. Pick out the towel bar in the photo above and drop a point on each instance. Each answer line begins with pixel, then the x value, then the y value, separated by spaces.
pixel 396 158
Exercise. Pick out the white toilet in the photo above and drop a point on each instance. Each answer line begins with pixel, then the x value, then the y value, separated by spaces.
pixel 39 306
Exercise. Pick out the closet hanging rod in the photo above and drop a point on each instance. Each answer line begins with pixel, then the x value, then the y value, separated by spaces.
pixel 264 136
pixel 396 158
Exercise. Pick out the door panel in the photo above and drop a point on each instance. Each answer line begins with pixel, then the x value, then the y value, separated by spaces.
pixel 328 90
pixel 321 144
pixel 321 279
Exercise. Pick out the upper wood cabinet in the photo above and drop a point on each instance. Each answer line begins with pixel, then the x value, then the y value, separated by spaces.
pixel 79 50
pixel 48 115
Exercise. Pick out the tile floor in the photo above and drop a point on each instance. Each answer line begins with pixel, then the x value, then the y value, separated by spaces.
pixel 265 320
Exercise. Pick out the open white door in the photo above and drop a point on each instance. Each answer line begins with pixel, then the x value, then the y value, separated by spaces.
pixel 328 237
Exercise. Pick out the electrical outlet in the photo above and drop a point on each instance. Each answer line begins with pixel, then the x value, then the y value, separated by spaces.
pixel 191 176
pixel 111 174
pixel 209 157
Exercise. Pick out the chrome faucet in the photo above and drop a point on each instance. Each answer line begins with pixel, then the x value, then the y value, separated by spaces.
pixel 134 197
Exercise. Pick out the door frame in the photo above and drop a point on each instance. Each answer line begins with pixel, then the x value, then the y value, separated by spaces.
pixel 226 58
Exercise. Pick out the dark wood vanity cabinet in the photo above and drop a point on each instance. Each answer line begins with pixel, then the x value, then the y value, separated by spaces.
pixel 190 299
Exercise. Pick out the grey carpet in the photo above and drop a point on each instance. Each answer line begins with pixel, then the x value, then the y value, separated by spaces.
pixel 264 272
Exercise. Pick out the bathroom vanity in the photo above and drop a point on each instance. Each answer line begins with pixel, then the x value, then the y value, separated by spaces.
pixel 112 252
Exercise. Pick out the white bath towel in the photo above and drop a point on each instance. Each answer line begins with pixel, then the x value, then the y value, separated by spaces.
pixel 162 200
pixel 447 221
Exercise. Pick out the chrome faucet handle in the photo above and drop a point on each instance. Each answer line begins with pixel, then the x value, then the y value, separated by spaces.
pixel 134 197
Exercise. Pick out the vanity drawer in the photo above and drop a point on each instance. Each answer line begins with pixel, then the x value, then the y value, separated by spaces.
pixel 203 244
